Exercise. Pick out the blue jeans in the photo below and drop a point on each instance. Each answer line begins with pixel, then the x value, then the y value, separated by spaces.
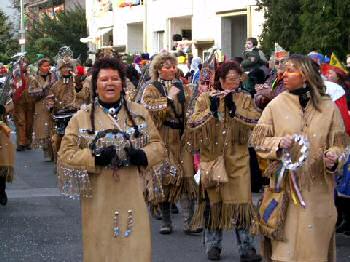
pixel 213 238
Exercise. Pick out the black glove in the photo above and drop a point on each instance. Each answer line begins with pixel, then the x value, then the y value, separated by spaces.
pixel 2 110
pixel 137 157
pixel 214 105
pixel 231 106
pixel 105 156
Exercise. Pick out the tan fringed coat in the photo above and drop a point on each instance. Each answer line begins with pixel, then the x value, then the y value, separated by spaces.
pixel 7 153
pixel 309 232
pixel 39 88
pixel 64 95
pixel 161 112
pixel 83 96
pixel 130 91
pixel 231 202
pixel 109 194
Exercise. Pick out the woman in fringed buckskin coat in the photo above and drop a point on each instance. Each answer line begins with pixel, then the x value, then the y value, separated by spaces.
pixel 220 128
pixel 107 174
pixel 303 109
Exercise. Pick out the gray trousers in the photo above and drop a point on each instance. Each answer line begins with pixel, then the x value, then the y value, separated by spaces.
pixel 187 209
pixel 213 238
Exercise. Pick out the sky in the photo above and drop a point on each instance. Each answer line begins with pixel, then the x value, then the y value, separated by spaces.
pixel 5 6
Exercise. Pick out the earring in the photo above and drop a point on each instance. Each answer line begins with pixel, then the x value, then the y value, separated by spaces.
pixel 116 229
pixel 130 224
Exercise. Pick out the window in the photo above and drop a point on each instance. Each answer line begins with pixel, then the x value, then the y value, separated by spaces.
pixel 159 40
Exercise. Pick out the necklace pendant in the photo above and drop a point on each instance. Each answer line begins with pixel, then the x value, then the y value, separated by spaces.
pixel 112 111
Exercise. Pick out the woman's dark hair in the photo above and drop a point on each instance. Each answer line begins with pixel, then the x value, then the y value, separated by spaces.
pixel 133 75
pixel 114 64
pixel 42 61
pixel 223 70
pixel 88 62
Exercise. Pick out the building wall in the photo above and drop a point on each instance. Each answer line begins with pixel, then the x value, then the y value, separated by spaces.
pixel 159 13
pixel 122 18
pixel 100 21
pixel 135 38
pixel 206 18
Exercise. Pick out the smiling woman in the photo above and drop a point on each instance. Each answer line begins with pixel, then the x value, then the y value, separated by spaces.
pixel 103 151
pixel 109 86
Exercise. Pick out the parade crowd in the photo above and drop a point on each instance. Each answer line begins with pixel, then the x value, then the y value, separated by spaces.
pixel 134 140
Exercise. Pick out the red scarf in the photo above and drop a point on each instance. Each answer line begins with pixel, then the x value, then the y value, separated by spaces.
pixel 19 90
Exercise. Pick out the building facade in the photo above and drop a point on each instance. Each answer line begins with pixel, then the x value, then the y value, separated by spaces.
pixel 136 26
pixel 35 9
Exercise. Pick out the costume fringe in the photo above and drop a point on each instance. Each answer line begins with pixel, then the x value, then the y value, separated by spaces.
pixel 41 143
pixel 164 184
pixel 73 183
pixel 259 133
pixel 201 120
pixel 203 134
pixel 175 190
pixel 226 216
pixel 158 117
pixel 198 219
pixel 189 188
pixel 240 131
pixel 154 209
pixel 8 172
pixel 152 197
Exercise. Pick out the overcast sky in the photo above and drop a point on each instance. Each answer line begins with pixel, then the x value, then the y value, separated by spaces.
pixel 5 5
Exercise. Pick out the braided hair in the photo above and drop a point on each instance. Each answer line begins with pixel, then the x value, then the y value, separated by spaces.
pixel 115 64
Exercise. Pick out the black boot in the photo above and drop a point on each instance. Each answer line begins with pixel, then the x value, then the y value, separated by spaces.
pixel 214 253
pixel 21 148
pixel 251 256
pixel 344 226
pixel 3 198
pixel 174 209
pixel 166 227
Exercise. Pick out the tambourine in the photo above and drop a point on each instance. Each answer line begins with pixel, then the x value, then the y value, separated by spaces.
pixel 304 150
pixel 112 137
pixel 61 121
pixel 287 159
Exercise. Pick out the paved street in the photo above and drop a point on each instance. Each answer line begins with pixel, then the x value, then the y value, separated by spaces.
pixel 40 225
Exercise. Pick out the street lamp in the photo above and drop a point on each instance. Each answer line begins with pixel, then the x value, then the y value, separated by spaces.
pixel 22 40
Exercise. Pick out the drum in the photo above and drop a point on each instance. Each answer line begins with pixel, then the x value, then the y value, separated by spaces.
pixel 61 122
